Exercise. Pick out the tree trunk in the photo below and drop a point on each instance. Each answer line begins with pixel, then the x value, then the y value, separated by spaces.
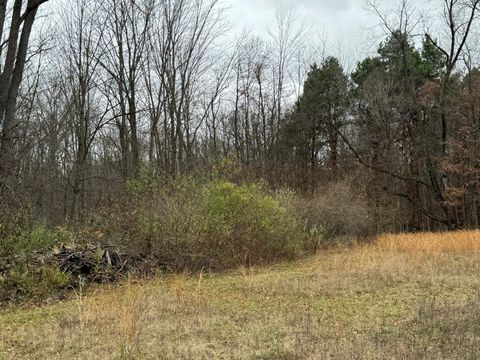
pixel 6 146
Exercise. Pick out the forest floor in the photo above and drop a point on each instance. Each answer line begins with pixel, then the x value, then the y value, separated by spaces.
pixel 403 297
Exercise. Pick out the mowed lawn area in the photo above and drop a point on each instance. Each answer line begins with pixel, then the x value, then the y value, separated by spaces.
pixel 406 296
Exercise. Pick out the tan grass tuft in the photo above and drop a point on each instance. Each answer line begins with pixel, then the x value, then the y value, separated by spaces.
pixel 448 242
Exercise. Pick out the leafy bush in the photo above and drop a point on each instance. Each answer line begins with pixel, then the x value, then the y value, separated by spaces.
pixel 36 238
pixel 245 223
pixel 217 224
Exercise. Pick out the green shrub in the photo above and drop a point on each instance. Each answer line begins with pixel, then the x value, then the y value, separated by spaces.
pixel 246 223
pixel 20 279
pixel 53 279
pixel 217 224
pixel 20 283
pixel 37 238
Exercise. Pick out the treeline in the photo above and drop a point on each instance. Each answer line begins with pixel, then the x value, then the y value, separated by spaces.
pixel 118 88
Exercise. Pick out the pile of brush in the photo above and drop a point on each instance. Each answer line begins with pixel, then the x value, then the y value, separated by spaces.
pixel 92 263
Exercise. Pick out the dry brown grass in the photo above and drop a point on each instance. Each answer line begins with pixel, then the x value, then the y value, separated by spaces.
pixel 451 242
pixel 371 302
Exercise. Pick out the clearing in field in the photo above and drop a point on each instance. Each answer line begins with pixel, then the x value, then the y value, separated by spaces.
pixel 406 296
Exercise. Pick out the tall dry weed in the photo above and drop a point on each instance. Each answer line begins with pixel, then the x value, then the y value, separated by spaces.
pixel 449 242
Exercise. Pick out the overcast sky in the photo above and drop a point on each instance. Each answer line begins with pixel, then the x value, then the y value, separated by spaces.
pixel 343 23
pixel 350 30
pixel 346 24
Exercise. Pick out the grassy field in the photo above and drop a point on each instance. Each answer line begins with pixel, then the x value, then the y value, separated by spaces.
pixel 409 296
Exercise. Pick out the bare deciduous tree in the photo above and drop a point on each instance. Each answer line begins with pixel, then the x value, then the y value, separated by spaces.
pixel 21 19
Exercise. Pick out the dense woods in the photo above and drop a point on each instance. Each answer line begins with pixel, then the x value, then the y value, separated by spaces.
pixel 107 106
